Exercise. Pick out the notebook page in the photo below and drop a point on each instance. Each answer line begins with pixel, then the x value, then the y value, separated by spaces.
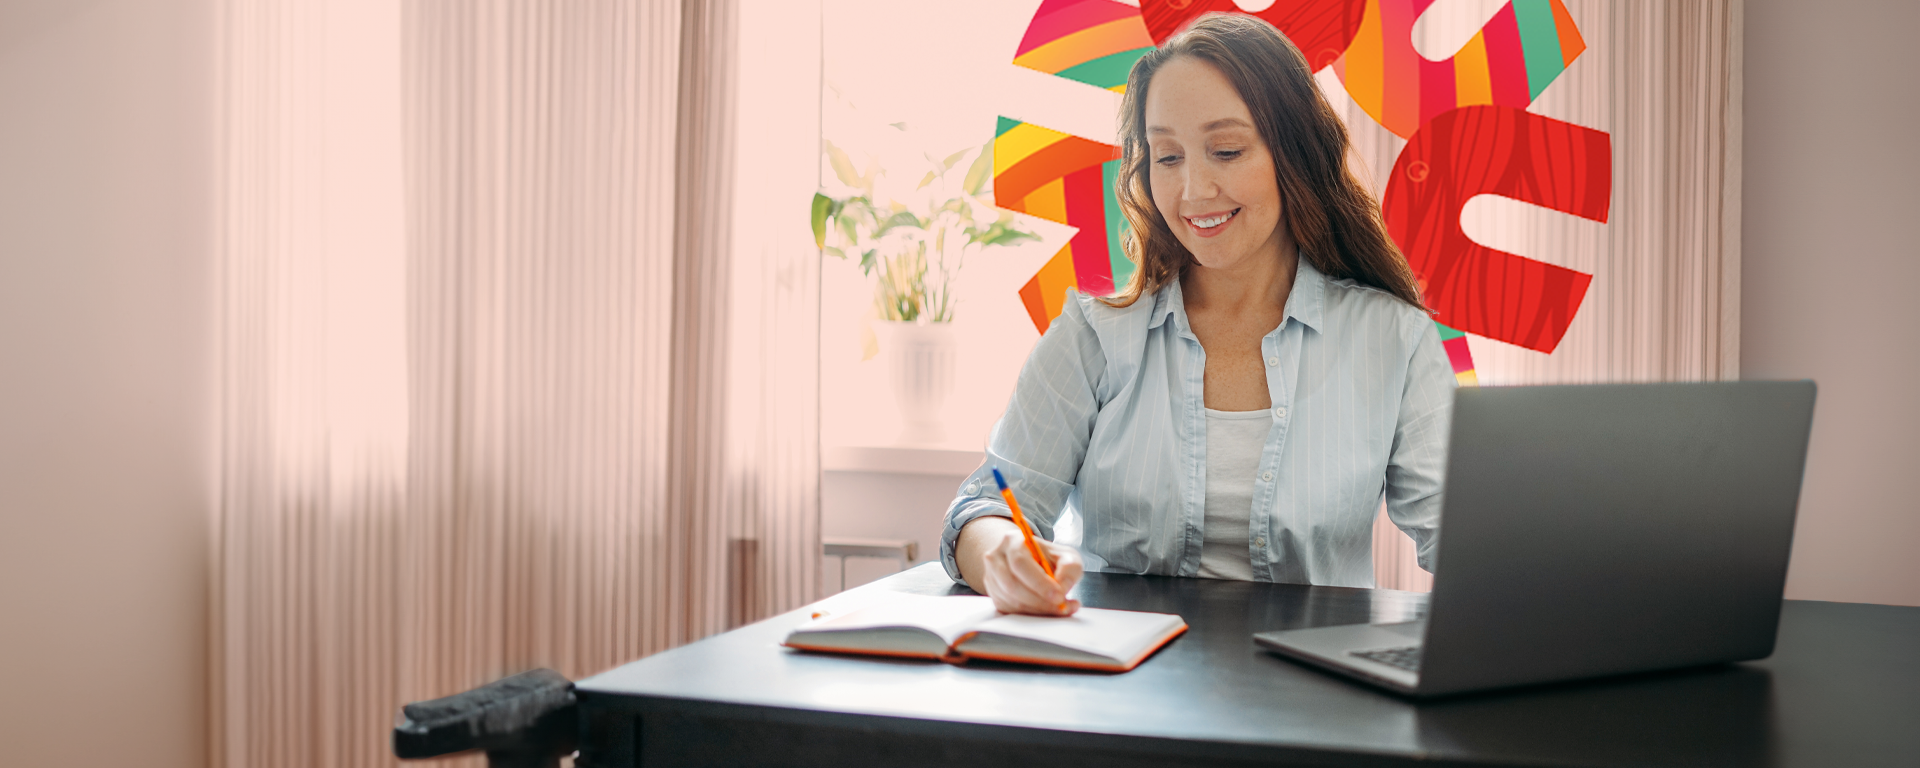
pixel 1100 631
pixel 947 617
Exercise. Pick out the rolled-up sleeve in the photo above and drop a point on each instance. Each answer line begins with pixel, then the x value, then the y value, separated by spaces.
pixel 1418 462
pixel 1039 442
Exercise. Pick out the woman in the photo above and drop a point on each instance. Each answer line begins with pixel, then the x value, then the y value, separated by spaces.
pixel 1238 410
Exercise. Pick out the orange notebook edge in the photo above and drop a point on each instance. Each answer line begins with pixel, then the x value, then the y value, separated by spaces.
pixel 865 652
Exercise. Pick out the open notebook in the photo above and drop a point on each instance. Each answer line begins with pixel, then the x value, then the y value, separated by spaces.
pixel 959 628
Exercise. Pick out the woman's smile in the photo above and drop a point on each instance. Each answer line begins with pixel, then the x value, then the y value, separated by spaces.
pixel 1211 224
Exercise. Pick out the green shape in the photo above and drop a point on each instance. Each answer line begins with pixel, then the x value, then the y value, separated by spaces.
pixel 822 208
pixel 1116 225
pixel 1112 69
pixel 1540 40
pixel 1006 124
pixel 1447 333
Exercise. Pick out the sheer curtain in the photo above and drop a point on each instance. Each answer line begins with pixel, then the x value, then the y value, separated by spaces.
pixel 1664 80
pixel 505 382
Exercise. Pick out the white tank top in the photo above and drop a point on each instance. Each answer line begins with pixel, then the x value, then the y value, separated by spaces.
pixel 1234 442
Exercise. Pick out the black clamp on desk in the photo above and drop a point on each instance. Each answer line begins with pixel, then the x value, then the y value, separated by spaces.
pixel 528 720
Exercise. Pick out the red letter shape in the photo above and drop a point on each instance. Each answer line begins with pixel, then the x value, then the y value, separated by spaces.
pixel 1321 29
pixel 1507 152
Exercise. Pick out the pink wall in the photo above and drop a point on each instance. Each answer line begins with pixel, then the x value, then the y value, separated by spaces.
pixel 1830 269
pixel 104 328
pixel 882 505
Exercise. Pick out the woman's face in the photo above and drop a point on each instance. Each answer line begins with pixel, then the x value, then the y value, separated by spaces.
pixel 1212 175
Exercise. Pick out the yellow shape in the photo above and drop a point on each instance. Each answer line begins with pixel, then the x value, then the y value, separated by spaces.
pixel 1472 81
pixel 1049 201
pixel 1020 142
pixel 1055 278
pixel 1467 378
pixel 1366 63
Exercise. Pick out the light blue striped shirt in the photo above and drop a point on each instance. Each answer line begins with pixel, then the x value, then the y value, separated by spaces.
pixel 1108 418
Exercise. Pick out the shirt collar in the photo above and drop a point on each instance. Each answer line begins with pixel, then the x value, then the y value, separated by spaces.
pixel 1309 295
pixel 1305 302
pixel 1164 302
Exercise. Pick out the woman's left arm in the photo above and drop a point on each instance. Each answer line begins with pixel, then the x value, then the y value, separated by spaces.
pixel 1418 462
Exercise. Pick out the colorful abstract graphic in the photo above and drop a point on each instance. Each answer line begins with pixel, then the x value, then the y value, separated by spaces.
pixel 1455 342
pixel 1508 62
pixel 1321 29
pixel 1090 41
pixel 1042 172
pixel 1512 153
pixel 1465 120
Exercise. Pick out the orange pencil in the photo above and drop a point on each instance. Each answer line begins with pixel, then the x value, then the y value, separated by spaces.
pixel 1033 546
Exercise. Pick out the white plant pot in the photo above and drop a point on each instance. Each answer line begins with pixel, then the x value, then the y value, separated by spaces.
pixel 921 361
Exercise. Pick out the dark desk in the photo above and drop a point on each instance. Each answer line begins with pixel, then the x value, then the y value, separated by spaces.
pixel 1842 689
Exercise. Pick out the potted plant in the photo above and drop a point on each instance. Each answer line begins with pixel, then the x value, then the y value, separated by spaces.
pixel 913 249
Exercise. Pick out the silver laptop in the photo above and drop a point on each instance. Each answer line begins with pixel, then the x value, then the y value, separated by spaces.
pixel 1595 530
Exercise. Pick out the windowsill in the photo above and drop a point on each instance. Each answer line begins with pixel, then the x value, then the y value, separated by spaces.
pixel 901 459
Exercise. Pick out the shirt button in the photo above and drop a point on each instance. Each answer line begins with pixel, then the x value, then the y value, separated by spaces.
pixel 1279 411
pixel 1272 361
pixel 972 489
pixel 1260 542
pixel 1268 476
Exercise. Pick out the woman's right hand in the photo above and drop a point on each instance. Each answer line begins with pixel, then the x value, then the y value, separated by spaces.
pixel 994 560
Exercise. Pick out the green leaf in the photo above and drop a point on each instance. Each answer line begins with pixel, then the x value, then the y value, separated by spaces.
pixel 843 166
pixel 900 125
pixel 852 212
pixel 835 252
pixel 866 261
pixel 822 208
pixel 858 208
pixel 928 180
pixel 980 171
pixel 1001 233
pixel 848 231
pixel 947 164
pixel 1008 237
pixel 899 219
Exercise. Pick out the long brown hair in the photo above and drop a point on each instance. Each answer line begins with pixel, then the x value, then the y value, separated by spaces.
pixel 1334 220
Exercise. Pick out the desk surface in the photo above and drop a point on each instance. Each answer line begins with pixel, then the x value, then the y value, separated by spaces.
pixel 1842 688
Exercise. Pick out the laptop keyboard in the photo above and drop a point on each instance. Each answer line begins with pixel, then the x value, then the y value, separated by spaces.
pixel 1407 658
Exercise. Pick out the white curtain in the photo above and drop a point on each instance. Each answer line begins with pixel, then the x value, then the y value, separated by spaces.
pixel 1663 78
pixel 503 383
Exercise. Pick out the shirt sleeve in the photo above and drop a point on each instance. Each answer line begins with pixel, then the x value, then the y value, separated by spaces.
pixel 1039 443
pixel 1418 462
